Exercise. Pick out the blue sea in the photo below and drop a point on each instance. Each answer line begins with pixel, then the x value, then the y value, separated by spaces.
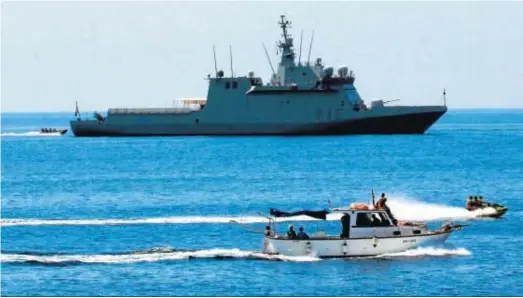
pixel 151 216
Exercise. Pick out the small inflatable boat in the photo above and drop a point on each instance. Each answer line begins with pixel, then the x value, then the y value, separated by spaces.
pixel 53 131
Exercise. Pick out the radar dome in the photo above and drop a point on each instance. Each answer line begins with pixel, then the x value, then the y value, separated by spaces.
pixel 220 73
pixel 328 71
pixel 251 74
pixel 343 71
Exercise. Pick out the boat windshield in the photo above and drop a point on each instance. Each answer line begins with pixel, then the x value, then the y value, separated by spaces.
pixel 372 219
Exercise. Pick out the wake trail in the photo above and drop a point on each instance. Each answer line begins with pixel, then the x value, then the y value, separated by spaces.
pixel 413 210
pixel 30 134
pixel 402 208
pixel 157 220
pixel 139 257
pixel 169 254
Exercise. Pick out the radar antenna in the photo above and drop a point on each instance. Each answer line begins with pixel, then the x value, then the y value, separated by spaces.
pixel 284 24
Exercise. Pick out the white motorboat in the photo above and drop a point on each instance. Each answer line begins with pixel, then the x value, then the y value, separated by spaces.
pixel 364 233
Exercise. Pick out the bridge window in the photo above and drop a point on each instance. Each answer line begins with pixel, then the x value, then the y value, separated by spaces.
pixel 227 85
pixel 234 85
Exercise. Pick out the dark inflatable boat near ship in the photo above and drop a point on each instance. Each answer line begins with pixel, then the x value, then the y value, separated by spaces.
pixel 302 98
pixel 53 131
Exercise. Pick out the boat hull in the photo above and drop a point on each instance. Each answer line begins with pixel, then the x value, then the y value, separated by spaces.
pixel 342 248
pixel 408 123
pixel 491 212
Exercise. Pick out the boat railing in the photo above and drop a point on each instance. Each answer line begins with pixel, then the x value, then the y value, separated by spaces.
pixel 152 111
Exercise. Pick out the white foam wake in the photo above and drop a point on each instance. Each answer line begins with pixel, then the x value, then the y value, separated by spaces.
pixel 427 252
pixel 30 134
pixel 158 220
pixel 403 209
pixel 216 253
pixel 148 257
pixel 409 209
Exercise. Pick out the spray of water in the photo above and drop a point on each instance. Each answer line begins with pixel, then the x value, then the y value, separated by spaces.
pixel 410 209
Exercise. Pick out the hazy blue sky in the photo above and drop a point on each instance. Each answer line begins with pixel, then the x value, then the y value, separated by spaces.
pixel 145 54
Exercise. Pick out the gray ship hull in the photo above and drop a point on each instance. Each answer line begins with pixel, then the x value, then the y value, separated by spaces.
pixel 300 99
pixel 406 123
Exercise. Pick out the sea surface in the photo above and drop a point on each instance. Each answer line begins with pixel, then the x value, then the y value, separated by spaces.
pixel 83 216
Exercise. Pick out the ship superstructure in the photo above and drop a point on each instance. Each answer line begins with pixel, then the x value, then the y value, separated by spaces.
pixel 301 98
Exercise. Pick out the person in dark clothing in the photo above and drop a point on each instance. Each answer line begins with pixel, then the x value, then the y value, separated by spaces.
pixel 291 233
pixel 389 213
pixel 481 203
pixel 470 204
pixel 345 226
pixel 268 231
pixel 381 202
pixel 302 234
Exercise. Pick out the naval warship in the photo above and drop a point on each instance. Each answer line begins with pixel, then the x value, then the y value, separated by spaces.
pixel 300 98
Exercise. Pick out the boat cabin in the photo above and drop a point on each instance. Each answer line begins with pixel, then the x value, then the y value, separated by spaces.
pixel 356 224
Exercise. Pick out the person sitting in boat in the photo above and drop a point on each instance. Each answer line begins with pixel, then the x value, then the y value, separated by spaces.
pixel 482 203
pixel 477 203
pixel 302 234
pixel 291 233
pixel 470 204
pixel 268 232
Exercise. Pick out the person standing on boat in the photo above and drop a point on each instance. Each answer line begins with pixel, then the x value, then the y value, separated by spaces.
pixel 291 233
pixel 387 209
pixel 302 234
pixel 268 232
pixel 380 204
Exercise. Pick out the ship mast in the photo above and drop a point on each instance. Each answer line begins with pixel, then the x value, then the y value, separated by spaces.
pixel 287 56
